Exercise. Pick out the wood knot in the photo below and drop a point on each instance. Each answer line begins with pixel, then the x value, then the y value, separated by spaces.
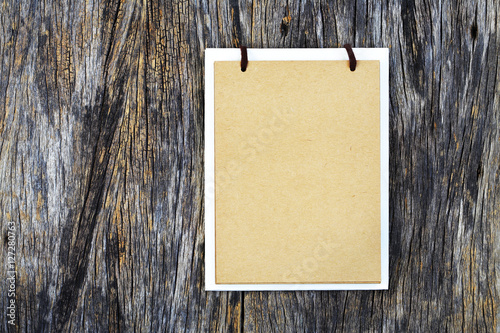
pixel 285 24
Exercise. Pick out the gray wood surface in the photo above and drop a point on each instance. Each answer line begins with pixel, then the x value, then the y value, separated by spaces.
pixel 101 164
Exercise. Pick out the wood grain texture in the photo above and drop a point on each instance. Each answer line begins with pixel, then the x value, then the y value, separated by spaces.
pixel 101 164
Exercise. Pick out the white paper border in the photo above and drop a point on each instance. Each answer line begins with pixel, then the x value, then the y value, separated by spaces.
pixel 212 55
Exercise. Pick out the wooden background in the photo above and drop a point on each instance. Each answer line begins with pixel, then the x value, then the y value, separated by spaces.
pixel 101 164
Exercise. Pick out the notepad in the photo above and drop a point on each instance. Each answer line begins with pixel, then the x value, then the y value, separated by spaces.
pixel 296 170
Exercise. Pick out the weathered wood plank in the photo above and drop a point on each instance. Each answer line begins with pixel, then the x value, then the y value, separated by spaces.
pixel 101 163
pixel 444 172
pixel 102 167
